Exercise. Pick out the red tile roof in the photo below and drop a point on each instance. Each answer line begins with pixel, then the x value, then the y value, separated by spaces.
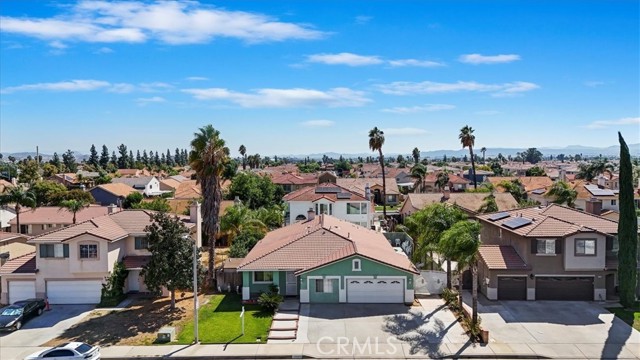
pixel 502 257
pixel 55 215
pixel 135 262
pixel 25 264
pixel 291 179
pixel 5 236
pixel 309 194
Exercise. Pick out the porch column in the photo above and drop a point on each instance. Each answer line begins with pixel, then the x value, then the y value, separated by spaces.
pixel 246 280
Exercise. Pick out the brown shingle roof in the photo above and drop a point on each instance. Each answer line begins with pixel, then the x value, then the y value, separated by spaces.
pixel 25 264
pixel 54 215
pixel 502 257
pixel 188 189
pixel 358 185
pixel 117 189
pixel 291 179
pixel 306 245
pixel 232 263
pixel 5 236
pixel 309 194
pixel 530 183
pixel 169 184
pixel 135 262
pixel 468 201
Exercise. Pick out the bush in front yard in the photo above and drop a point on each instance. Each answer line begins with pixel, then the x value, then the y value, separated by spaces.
pixel 270 300
pixel 113 289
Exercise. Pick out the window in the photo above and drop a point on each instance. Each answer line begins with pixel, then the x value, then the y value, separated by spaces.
pixel 585 247
pixel 262 277
pixel 355 265
pixel 88 251
pixel 364 208
pixel 546 246
pixel 324 286
pixel 319 285
pixel 613 202
pixel 54 250
pixel 44 226
pixel 24 229
pixel 353 208
pixel 59 353
pixel 141 242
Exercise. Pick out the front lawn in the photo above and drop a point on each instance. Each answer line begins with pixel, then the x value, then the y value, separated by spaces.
pixel 219 322
pixel 631 317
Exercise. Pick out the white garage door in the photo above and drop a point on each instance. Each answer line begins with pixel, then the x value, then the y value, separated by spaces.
pixel 21 290
pixel 74 291
pixel 375 291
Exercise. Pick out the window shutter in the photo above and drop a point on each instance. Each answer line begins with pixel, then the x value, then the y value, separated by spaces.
pixel 65 250
pixel 558 246
pixel 534 246
pixel 43 250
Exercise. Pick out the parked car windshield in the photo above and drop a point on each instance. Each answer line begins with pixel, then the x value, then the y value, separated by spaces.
pixel 83 348
pixel 12 312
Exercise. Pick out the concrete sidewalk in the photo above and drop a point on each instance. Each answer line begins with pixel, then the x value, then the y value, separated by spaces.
pixel 328 351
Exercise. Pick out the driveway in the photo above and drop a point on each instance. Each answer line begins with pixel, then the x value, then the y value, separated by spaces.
pixel 45 327
pixel 375 329
pixel 559 328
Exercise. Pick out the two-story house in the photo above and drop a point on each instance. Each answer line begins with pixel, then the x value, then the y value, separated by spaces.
pixel 360 185
pixel 70 264
pixel 547 253
pixel 147 185
pixel 47 218
pixel 330 199
pixel 292 182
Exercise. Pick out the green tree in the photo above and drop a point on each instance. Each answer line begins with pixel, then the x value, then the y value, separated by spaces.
pixel 158 204
pixel 488 205
pixel 171 262
pixel 239 218
pixel 442 179
pixel 532 155
pixel 461 242
pixel 94 160
pixel 19 197
pixel 535 171
pixel 419 172
pixel 243 154
pixel 74 207
pixel 123 159
pixel 49 170
pixel 104 157
pixel 563 193
pixel 208 158
pixel 46 191
pixel 243 243
pixel 29 172
pixel 467 139
pixel 132 200
pixel 69 161
pixel 627 230
pixel 416 155
pixel 515 188
pixel 75 194
pixel 55 161
pixel 255 191
pixel 376 141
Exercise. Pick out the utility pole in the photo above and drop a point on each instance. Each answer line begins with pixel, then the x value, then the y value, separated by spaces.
pixel 195 292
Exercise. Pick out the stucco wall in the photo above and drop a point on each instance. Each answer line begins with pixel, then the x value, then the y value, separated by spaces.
pixel 573 262
pixel 339 210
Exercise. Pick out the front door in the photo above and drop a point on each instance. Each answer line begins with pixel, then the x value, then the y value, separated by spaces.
pixel 134 281
pixel 292 284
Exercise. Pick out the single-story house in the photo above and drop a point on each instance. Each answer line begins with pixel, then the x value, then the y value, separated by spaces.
pixel 327 260
pixel 111 194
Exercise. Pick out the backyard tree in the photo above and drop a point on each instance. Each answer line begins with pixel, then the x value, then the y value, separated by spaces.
pixel 19 197
pixel 627 230
pixel 467 139
pixel 74 206
pixel 171 262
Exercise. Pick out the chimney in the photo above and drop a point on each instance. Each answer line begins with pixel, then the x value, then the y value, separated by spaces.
pixel 195 216
pixel 112 209
pixel 446 193
pixel 593 206
pixel 602 181
pixel 367 192
pixel 311 214
pixel 562 175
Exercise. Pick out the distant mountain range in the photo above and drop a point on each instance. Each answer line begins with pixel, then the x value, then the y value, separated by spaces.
pixel 610 151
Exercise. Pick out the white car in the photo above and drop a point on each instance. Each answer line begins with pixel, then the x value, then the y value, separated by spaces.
pixel 68 351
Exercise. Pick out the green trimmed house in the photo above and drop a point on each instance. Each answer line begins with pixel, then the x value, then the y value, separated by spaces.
pixel 327 260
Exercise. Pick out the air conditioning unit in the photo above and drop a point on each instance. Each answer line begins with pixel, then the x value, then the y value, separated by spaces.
pixel 166 334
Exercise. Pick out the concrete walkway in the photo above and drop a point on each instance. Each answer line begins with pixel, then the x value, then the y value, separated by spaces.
pixel 284 327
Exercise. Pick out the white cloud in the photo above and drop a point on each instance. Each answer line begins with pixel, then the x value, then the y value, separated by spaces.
pixel 344 59
pixel 318 123
pixel 284 98
pixel 430 87
pixel 197 78
pixel 153 99
pixel 170 22
pixel 601 124
pixel 71 85
pixel 406 131
pixel 488 59
pixel 56 44
pixel 415 109
pixel 122 88
pixel 593 84
pixel 363 19
pixel 103 50
pixel 415 62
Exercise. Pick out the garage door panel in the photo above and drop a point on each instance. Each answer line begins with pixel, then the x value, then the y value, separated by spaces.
pixel 512 288
pixel 74 291
pixel 21 290
pixel 564 288
pixel 375 291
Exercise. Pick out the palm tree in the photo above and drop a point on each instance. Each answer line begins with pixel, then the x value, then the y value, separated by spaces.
pixel 469 140
pixel 239 218
pixel 563 193
pixel 416 155
pixel 74 206
pixel 483 151
pixel 376 140
pixel 419 172
pixel 488 205
pixel 243 153
pixel 19 197
pixel 442 179
pixel 208 157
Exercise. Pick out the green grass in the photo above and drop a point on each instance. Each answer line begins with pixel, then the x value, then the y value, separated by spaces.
pixel 631 317
pixel 220 322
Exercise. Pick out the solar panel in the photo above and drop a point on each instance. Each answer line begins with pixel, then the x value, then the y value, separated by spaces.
pixel 343 196
pixel 596 191
pixel 499 216
pixel 327 190
pixel 517 222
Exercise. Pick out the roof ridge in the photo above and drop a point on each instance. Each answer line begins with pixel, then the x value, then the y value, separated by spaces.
pixel 580 212
pixel 21 256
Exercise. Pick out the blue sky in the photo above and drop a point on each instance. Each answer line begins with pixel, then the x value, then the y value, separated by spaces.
pixel 293 77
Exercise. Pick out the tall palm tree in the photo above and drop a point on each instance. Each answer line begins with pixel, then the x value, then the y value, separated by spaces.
pixel 243 153
pixel 376 140
pixel 74 206
pixel 483 151
pixel 419 172
pixel 416 155
pixel 442 179
pixel 208 157
pixel 19 197
pixel 563 193
pixel 469 140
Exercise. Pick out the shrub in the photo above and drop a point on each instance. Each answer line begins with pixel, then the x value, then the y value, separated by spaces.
pixel 270 300
pixel 113 290
pixel 450 296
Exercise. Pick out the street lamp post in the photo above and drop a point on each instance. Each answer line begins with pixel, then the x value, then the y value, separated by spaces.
pixel 195 292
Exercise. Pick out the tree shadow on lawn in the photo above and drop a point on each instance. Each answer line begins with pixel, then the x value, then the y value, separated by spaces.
pixel 143 316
